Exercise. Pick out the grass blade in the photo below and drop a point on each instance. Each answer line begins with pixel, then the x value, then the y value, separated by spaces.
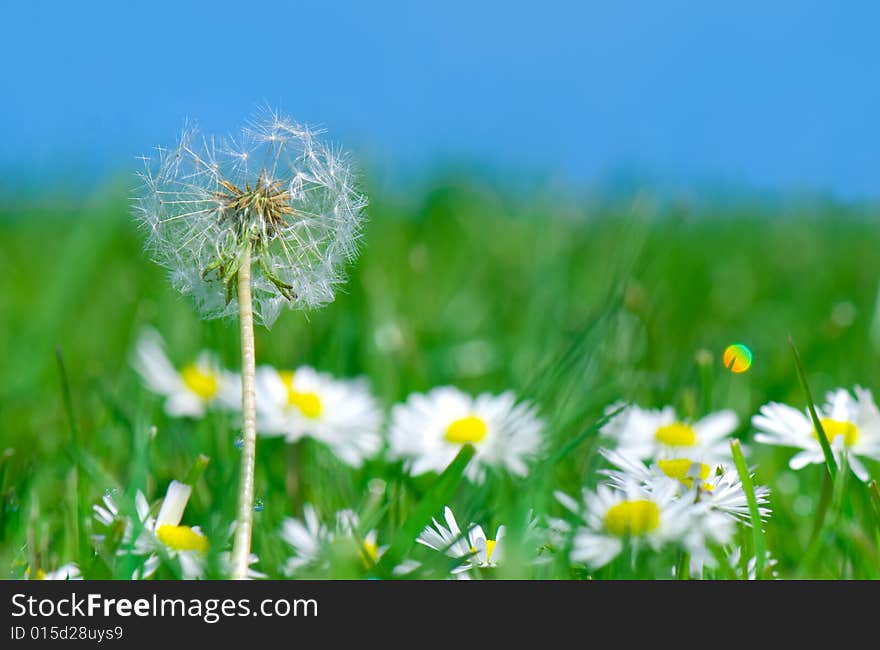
pixel 439 495
pixel 754 513
pixel 817 424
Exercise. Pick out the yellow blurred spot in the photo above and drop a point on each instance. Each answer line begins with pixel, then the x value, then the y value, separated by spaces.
pixel 677 434
pixel 632 518
pixel 309 404
pixel 737 358
pixel 467 429
pixel 204 384
pixel 834 428
pixel 181 538
pixel 682 469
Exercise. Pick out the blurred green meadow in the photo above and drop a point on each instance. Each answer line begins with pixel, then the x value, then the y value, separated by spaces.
pixel 572 304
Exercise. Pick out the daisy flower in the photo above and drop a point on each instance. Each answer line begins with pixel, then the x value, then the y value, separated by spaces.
pixel 428 430
pixel 475 550
pixel 193 389
pixel 310 539
pixel 655 434
pixel 851 422
pixel 718 487
pixel 69 571
pixel 160 534
pixel 342 414
pixel 647 518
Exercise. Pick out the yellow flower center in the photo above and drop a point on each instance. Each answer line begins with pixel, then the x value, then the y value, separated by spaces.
pixel 467 429
pixel 632 518
pixel 41 575
pixel 309 404
pixel 204 384
pixel 677 434
pixel 371 551
pixel 680 469
pixel 181 538
pixel 834 428
pixel 490 548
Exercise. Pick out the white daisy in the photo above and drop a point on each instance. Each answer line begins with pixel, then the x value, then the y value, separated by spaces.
pixel 718 487
pixel 428 430
pixel 646 518
pixel 162 533
pixel 475 550
pixel 69 571
pixel 850 421
pixel 310 538
pixel 192 390
pixel 655 434
pixel 342 414
pixel 734 558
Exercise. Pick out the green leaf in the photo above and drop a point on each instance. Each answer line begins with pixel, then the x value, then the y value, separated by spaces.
pixel 742 469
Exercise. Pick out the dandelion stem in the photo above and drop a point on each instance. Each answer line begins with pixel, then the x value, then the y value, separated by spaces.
pixel 241 548
pixel 754 513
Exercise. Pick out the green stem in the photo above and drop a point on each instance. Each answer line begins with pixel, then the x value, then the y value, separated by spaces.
pixel 754 513
pixel 241 548
pixel 830 463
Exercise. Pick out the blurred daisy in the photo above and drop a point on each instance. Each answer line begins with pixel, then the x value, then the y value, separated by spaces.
pixel 646 518
pixel 718 487
pixel 342 414
pixel 428 430
pixel 734 558
pixel 475 550
pixel 160 534
pixel 69 571
pixel 656 434
pixel 191 390
pixel 310 539
pixel 851 422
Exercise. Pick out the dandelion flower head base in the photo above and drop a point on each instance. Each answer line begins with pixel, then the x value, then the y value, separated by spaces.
pixel 276 189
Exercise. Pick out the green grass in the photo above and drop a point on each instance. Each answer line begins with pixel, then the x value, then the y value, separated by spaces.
pixel 572 309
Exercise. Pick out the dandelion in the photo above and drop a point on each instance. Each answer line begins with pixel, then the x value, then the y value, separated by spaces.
pixel 160 534
pixel 851 422
pixel 342 414
pixel 247 225
pixel 475 550
pixel 310 539
pixel 428 430
pixel 655 434
pixel 193 389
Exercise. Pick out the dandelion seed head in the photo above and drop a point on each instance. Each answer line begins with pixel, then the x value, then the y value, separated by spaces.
pixel 274 186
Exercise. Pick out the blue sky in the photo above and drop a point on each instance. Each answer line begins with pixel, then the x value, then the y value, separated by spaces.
pixel 769 96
